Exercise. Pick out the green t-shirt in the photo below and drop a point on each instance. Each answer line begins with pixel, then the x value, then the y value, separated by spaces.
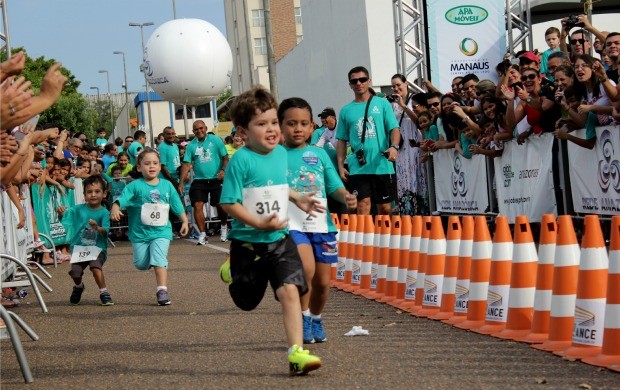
pixel 139 192
pixel 381 120
pixel 133 150
pixel 169 157
pixel 252 170
pixel 206 156
pixel 75 221
pixel 310 170
pixel 327 145
pixel 124 172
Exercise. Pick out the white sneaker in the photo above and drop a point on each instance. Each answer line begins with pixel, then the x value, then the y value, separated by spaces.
pixel 224 233
pixel 202 240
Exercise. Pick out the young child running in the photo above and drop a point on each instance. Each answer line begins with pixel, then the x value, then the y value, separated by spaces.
pixel 311 170
pixel 255 193
pixel 148 201
pixel 87 227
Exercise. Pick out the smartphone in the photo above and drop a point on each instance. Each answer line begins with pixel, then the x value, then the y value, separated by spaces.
pixel 23 129
pixel 429 143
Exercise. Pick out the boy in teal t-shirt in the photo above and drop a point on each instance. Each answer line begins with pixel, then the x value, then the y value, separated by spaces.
pixel 256 194
pixel 310 171
pixel 87 226
pixel 101 142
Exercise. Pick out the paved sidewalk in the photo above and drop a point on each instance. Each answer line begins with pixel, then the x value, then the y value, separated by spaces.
pixel 203 341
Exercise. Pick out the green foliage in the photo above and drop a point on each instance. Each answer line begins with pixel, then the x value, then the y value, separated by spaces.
pixel 224 115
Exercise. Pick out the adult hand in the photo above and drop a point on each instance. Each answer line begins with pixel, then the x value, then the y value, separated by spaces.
pixel 521 93
pixel 599 71
pixel 13 66
pixel 474 149
pixel 8 147
pixel 584 108
pixel 507 94
pixel 344 174
pixel 61 210
pixel 351 201
pixel 220 175
pixel 15 101
pixel 392 154
pixel 521 138
pixel 560 134
pixel 586 23
pixel 53 83
pixel 458 110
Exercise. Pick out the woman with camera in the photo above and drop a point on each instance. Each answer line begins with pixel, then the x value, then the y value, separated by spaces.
pixel 410 173
pixel 594 89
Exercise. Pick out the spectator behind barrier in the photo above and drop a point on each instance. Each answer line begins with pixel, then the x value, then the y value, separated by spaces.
pixel 593 88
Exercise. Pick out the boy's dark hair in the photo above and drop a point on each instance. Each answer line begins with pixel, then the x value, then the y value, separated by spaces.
pixel 426 114
pixel 420 98
pixel 469 77
pixel 249 103
pixel 357 69
pixel 63 162
pixel 101 130
pixel 433 95
pixel 115 168
pixel 138 134
pixel 118 141
pixel 612 34
pixel 552 30
pixel 100 163
pixel 89 181
pixel 293 102
pixel 108 148
pixel 81 161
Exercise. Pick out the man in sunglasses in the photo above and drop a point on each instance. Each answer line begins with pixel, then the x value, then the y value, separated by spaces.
pixel 368 123
pixel 612 49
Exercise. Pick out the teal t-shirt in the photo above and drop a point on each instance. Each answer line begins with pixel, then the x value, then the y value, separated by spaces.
pixel 133 150
pixel 465 142
pixel 327 145
pixel 543 62
pixel 169 157
pixel 310 170
pixel 101 142
pixel 139 192
pixel 591 123
pixel 431 133
pixel 249 169
pixel 75 221
pixel 206 156
pixel 381 120
pixel 116 188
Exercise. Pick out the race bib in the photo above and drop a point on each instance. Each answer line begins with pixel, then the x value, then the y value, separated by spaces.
pixel 265 201
pixel 303 222
pixel 155 214
pixel 83 253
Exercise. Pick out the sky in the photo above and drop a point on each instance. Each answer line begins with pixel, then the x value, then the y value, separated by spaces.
pixel 83 34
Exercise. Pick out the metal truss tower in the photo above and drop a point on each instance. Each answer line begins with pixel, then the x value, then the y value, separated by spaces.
pixel 5 42
pixel 410 35
pixel 519 25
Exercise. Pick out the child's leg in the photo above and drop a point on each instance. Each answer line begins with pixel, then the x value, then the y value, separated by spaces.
pixel 99 278
pixel 288 295
pixel 307 259
pixel 161 276
pixel 320 288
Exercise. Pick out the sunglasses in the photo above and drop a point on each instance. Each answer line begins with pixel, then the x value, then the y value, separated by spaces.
pixel 361 80
pixel 528 77
pixel 436 104
pixel 575 41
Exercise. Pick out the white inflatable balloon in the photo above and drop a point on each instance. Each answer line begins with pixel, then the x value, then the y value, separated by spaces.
pixel 188 61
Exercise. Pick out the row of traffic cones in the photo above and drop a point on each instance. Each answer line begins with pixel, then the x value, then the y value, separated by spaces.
pixel 561 298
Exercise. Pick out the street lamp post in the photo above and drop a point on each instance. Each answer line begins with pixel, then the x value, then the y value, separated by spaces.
pixel 146 81
pixel 98 113
pixel 97 88
pixel 126 88
pixel 107 75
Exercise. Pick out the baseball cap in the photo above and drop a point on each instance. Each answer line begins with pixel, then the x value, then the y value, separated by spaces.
pixel 529 56
pixel 328 111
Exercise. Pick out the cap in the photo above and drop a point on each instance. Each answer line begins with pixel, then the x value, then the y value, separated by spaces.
pixel 328 111
pixel 530 56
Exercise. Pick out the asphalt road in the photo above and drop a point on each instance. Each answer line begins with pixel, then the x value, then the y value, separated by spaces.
pixel 203 341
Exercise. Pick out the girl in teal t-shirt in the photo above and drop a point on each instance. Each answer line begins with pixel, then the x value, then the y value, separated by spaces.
pixel 148 201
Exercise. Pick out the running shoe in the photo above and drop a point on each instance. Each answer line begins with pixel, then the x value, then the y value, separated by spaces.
pixel 225 272
pixel 307 323
pixel 300 361
pixel 224 233
pixel 202 240
pixel 76 295
pixel 317 330
pixel 163 298
pixel 106 299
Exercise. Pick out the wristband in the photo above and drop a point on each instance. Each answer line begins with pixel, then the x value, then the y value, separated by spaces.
pixel 395 147
pixel 465 119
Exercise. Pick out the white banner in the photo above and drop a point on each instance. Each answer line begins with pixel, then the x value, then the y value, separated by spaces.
pixel 460 183
pixel 524 179
pixel 465 36
pixel 595 174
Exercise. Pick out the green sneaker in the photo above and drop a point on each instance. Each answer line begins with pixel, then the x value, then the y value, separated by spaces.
pixel 300 362
pixel 225 272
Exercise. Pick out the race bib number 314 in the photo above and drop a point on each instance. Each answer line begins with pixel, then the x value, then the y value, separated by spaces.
pixel 265 201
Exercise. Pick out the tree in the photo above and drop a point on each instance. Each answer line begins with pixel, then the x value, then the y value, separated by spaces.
pixel 224 96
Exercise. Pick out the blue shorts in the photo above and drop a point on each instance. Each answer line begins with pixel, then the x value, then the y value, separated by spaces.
pixel 151 254
pixel 324 245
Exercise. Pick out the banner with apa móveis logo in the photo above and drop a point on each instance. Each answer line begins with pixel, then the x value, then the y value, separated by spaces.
pixel 595 174
pixel 460 183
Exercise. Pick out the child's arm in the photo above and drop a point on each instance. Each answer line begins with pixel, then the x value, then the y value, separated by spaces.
pixel 345 197
pixel 68 184
pixel 12 194
pixel 241 214
pixel 99 229
pixel 306 202
pixel 584 143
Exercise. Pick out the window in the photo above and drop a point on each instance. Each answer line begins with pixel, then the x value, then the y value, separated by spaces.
pixel 258 18
pixel 298 15
pixel 260 46
pixel 300 38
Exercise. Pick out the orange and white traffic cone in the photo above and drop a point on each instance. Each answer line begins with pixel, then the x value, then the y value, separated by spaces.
pixel 435 268
pixel 479 278
pixel 334 266
pixel 591 294
pixel 343 250
pixel 391 277
pixel 419 283
pixel 403 260
pixel 453 242
pixel 610 353
pixel 499 281
pixel 461 293
pixel 414 259
pixel 374 266
pixel 565 274
pixel 367 251
pixel 348 265
pixel 384 256
pixel 356 259
pixel 522 283
pixel 544 282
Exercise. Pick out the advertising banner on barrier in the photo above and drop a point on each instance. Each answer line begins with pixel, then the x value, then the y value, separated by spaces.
pixel 460 183
pixel 595 174
pixel 465 36
pixel 524 179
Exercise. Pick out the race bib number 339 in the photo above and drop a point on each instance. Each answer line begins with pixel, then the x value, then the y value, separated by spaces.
pixel 262 202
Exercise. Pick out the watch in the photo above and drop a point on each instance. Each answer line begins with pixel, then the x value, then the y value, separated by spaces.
pixel 395 147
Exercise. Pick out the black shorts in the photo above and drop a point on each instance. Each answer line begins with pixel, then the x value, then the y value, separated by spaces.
pixel 77 269
pixel 253 265
pixel 200 189
pixel 379 188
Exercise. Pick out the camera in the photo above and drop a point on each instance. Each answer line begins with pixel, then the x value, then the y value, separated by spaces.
pixel 392 98
pixel 361 159
pixel 547 89
pixel 573 21
pixel 558 99
pixel 515 85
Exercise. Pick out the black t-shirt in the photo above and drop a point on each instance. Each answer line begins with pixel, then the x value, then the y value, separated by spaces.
pixel 612 74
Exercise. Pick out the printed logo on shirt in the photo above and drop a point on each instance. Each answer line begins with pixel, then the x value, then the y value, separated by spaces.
pixel 155 196
pixel 371 131
pixel 310 158
pixel 375 110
